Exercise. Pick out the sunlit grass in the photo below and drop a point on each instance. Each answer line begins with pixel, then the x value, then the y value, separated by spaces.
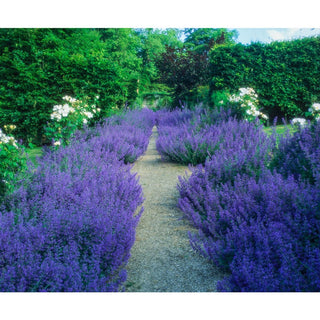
pixel 280 129
pixel 34 153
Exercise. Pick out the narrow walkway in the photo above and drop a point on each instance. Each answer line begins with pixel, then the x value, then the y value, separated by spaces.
pixel 162 259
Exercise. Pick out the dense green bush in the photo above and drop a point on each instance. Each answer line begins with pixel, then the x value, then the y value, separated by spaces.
pixel 11 161
pixel 40 66
pixel 285 74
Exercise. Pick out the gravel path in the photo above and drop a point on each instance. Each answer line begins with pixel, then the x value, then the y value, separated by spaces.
pixel 162 259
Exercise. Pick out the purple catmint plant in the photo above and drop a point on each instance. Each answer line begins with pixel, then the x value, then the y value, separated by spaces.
pixel 299 154
pixel 71 223
pixel 265 231
pixel 196 141
pixel 261 227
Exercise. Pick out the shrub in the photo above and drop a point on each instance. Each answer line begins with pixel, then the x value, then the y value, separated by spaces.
pixel 11 161
pixel 196 141
pixel 261 227
pixel 41 65
pixel 299 155
pixel 245 103
pixel 174 117
pixel 71 228
pixel 314 111
pixel 265 232
pixel 284 74
pixel 71 223
pixel 126 135
pixel 67 118
pixel 245 150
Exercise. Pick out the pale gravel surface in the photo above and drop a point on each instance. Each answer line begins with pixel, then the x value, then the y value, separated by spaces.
pixel 162 259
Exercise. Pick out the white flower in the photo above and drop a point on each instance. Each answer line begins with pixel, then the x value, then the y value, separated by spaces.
pixel 70 99
pixel 88 114
pixel 55 115
pixel 7 139
pixel 234 98
pixel 57 143
pixel 98 109
pixel 299 121
pixel 57 108
pixel 65 110
pixel 244 91
pixel 316 106
pixel 85 121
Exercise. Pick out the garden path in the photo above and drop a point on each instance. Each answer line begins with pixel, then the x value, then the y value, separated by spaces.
pixel 162 259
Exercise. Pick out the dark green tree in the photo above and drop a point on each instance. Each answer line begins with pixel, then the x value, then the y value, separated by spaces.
pixel 186 69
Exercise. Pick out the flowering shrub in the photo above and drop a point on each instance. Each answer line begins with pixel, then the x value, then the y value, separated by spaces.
pixel 11 160
pixel 71 223
pixel 199 139
pixel 301 122
pixel 299 155
pixel 314 111
pixel 260 226
pixel 175 117
pixel 184 144
pixel 125 135
pixel 67 118
pixel 246 104
pixel 264 232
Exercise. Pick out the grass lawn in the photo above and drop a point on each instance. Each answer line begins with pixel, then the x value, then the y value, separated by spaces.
pixel 280 129
pixel 34 153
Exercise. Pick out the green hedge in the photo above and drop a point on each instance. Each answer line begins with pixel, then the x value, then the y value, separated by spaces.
pixel 39 66
pixel 284 74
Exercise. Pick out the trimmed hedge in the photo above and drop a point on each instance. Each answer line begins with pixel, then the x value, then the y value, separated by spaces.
pixel 285 74
pixel 39 66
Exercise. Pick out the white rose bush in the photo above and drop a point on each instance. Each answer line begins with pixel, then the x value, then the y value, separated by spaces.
pixel 68 117
pixel 314 111
pixel 248 100
pixel 11 160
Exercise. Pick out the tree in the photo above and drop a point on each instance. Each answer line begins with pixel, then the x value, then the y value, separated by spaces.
pixel 153 45
pixel 185 69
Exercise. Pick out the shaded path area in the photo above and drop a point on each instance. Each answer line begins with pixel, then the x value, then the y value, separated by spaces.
pixel 162 259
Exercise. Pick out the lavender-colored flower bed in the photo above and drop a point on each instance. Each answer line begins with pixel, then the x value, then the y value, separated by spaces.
pixel 256 207
pixel 189 137
pixel 71 224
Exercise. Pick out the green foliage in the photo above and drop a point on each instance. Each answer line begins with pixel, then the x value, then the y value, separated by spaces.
pixel 183 70
pixel 186 69
pixel 204 39
pixel 39 66
pixel 12 162
pixel 285 74
pixel 67 118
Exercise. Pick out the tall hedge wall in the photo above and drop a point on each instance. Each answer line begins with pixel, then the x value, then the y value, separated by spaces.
pixel 39 66
pixel 286 75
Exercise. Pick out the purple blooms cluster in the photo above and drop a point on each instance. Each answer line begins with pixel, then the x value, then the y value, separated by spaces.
pixel 256 205
pixel 71 223
pixel 190 137
pixel 299 155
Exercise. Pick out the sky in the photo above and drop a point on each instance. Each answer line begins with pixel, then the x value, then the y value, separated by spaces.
pixel 267 35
